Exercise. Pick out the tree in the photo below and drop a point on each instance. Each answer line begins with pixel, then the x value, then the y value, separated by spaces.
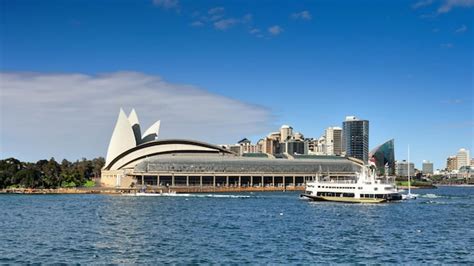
pixel 29 178
pixel 52 172
pixel 48 173
pixel 97 165
pixel 8 168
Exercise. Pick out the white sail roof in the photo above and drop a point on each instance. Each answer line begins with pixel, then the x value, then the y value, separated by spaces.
pixel 152 132
pixel 135 124
pixel 122 138
pixel 133 118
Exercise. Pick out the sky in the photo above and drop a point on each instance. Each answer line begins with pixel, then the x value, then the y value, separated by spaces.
pixel 219 71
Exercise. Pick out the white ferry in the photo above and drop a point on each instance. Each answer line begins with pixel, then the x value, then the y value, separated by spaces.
pixel 363 187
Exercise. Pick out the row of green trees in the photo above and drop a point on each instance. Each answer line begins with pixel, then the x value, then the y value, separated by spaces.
pixel 49 173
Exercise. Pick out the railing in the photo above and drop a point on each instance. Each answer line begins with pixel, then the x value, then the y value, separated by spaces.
pixel 389 181
pixel 337 181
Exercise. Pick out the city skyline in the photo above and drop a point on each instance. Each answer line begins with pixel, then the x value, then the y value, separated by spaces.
pixel 220 72
pixel 247 146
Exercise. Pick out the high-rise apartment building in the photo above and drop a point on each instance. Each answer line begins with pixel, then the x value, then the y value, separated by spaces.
pixel 463 158
pixel 333 138
pixel 451 163
pixel 427 168
pixel 355 134
pixel 402 167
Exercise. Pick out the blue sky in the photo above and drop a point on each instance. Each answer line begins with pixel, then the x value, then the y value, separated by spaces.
pixel 407 66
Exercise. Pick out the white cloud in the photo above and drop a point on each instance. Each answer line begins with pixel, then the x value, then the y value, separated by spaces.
pixel 304 15
pixel 216 10
pixel 448 5
pixel 247 18
pixel 197 23
pixel 72 115
pixel 462 29
pixel 254 31
pixel 429 16
pixel 167 4
pixel 225 24
pixel 215 17
pixel 275 30
pixel 422 3
pixel 447 45
pixel 452 101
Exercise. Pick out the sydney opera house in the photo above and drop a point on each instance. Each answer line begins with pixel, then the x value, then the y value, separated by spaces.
pixel 134 159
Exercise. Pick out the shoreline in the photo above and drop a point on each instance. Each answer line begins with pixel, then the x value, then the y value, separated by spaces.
pixel 418 187
pixel 204 189
pixel 454 185
pixel 119 191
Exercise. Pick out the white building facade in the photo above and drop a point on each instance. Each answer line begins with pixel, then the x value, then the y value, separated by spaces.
pixel 463 158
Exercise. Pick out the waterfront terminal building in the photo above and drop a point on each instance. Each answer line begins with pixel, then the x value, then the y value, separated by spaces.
pixel 134 159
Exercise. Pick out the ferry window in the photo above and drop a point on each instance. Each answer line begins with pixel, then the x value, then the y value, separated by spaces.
pixel 376 188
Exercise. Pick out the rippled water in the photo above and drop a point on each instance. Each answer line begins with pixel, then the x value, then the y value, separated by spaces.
pixel 262 228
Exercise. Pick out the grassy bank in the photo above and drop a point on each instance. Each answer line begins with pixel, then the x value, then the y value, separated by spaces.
pixel 416 184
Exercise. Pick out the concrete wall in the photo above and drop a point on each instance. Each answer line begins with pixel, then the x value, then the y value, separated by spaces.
pixel 116 178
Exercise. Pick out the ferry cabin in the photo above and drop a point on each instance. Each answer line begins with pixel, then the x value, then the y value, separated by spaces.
pixel 351 189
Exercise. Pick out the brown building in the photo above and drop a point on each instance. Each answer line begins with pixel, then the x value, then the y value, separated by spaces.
pixel 451 163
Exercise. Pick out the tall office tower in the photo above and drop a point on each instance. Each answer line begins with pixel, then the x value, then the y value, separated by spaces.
pixel 333 137
pixel 427 168
pixel 355 133
pixel 463 158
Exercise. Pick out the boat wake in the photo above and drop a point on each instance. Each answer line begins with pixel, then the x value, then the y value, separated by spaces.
pixel 183 195
pixel 430 196
pixel 409 196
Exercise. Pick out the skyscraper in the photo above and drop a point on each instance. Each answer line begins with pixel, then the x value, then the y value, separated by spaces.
pixel 333 141
pixel 355 134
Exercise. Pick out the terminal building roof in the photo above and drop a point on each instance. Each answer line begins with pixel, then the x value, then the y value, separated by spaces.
pixel 200 163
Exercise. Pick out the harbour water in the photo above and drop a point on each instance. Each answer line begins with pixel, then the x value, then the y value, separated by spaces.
pixel 241 228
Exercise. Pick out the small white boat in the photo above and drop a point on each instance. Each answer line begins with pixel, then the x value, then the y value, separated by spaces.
pixel 409 195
